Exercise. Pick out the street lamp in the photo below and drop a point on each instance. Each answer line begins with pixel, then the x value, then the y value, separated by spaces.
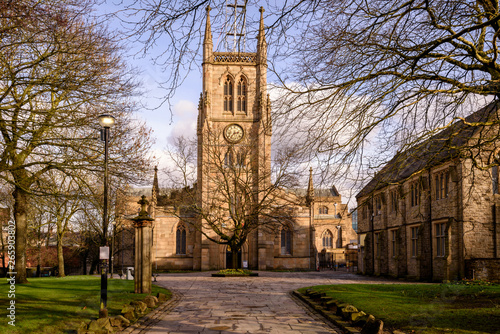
pixel 106 121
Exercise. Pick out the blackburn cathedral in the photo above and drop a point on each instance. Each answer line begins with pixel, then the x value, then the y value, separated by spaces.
pixel 233 194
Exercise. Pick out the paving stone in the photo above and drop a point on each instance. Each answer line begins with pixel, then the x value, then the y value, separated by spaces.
pixel 247 305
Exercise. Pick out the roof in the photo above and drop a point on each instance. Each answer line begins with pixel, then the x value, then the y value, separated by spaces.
pixel 326 192
pixel 317 192
pixel 444 146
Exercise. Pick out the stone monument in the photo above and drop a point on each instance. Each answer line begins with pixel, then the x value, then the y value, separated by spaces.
pixel 143 242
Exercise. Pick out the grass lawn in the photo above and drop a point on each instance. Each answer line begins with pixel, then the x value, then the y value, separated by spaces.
pixel 58 305
pixel 425 308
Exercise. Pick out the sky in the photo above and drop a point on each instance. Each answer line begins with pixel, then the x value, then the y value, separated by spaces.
pixel 181 118
pixel 165 124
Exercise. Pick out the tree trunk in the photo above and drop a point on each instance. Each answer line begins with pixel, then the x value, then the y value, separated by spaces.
pixel 20 217
pixel 236 264
pixel 93 266
pixel 4 269
pixel 38 266
pixel 83 258
pixel 60 255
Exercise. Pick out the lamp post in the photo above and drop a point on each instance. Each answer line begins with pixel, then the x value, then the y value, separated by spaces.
pixel 106 121
pixel 338 244
pixel 156 252
pixel 122 247
pixel 112 250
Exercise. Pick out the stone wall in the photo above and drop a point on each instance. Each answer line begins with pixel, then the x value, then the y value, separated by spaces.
pixel 478 203
pixel 467 208
pixel 483 269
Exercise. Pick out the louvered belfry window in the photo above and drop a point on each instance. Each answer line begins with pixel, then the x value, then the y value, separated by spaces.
pixel 228 95
pixel 242 95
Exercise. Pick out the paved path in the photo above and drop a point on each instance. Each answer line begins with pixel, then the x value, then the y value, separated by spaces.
pixel 244 304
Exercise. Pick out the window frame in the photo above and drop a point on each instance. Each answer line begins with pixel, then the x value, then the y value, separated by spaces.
pixel 394 200
pixel 394 245
pixel 228 95
pixel 378 205
pixel 229 158
pixel 440 235
pixel 328 237
pixel 240 160
pixel 241 96
pixel 414 241
pixel 441 184
pixel 181 240
pixel 286 240
pixel 414 194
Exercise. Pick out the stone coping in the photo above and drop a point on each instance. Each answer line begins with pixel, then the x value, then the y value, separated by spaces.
pixel 237 275
pixel 152 317
pixel 332 317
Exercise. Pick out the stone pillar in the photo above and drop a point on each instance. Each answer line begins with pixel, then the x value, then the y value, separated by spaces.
pixel 143 270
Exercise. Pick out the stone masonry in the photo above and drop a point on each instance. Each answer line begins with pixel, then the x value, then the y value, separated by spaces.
pixel 425 220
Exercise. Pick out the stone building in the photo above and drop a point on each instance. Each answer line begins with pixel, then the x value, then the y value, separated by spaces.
pixel 319 236
pixel 432 213
pixel 234 137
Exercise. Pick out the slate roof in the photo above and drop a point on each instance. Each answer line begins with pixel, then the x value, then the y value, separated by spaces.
pixel 444 146
pixel 318 192
pixel 326 192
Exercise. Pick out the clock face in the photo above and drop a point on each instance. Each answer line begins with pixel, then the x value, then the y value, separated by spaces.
pixel 233 133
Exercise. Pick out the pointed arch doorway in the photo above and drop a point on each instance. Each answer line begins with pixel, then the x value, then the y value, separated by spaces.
pixel 228 257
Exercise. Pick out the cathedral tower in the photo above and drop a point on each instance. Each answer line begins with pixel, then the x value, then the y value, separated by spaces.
pixel 239 218
pixel 234 118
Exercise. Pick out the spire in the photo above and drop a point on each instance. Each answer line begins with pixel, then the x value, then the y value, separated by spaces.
pixel 261 39
pixel 310 188
pixel 154 195
pixel 156 188
pixel 207 42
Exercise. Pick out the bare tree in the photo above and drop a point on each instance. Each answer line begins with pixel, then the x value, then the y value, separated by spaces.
pixel 88 220
pixel 357 81
pixel 241 194
pixel 60 71
pixel 182 157
pixel 392 73
pixel 63 200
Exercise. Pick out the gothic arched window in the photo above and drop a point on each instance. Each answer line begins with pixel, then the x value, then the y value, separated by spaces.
pixel 323 210
pixel 228 94
pixel 180 240
pixel 327 239
pixel 242 95
pixel 229 159
pixel 240 160
pixel 286 241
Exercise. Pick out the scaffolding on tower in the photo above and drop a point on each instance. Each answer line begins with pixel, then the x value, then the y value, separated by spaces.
pixel 235 26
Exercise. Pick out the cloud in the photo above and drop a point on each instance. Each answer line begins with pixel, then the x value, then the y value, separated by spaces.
pixel 184 120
